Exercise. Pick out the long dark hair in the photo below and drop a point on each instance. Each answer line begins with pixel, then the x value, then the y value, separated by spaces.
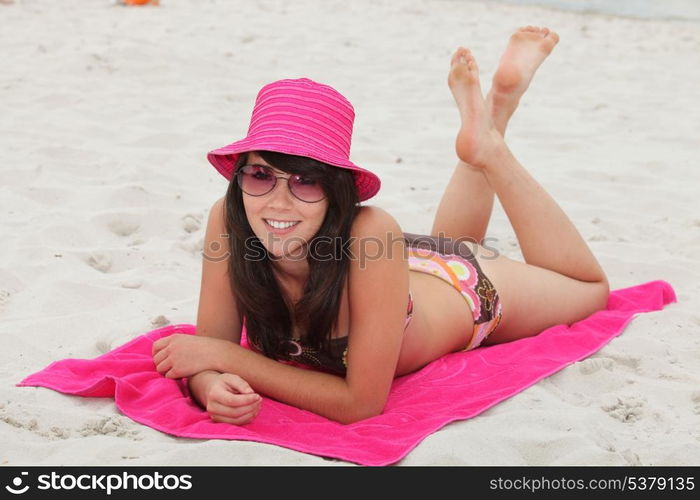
pixel 268 317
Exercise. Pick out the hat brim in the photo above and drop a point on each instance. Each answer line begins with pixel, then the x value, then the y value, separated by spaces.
pixel 224 160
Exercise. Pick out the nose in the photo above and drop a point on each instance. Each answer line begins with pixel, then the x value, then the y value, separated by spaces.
pixel 281 194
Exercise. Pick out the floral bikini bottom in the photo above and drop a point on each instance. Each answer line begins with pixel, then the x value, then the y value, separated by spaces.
pixel 454 262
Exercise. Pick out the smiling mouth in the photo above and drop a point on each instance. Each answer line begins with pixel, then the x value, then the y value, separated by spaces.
pixel 280 224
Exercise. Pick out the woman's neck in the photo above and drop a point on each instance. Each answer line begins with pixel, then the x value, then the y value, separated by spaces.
pixel 291 274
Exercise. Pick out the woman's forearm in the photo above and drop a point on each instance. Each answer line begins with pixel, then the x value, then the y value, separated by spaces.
pixel 198 385
pixel 321 393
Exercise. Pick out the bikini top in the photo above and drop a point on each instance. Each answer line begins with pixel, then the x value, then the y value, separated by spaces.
pixel 333 359
pixel 421 249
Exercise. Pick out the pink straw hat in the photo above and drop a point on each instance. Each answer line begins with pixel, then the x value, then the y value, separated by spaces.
pixel 304 118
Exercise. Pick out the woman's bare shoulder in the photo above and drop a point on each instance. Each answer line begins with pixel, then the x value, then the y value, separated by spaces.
pixel 217 209
pixel 371 218
pixel 375 235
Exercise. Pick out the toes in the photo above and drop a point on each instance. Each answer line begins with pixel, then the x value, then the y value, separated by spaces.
pixel 471 63
pixel 544 32
pixel 465 66
pixel 456 56
pixel 531 29
pixel 467 57
pixel 461 55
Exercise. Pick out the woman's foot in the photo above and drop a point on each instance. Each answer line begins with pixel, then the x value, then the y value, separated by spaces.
pixel 478 139
pixel 526 50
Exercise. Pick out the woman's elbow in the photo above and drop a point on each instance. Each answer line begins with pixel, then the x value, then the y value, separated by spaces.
pixel 604 293
pixel 360 412
pixel 357 417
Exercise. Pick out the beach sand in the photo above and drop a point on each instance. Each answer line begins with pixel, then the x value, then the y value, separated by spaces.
pixel 106 115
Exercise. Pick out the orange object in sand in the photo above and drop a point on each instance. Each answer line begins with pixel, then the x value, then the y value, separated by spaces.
pixel 140 2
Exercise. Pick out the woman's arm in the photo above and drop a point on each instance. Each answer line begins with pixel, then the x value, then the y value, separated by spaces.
pixel 217 314
pixel 198 385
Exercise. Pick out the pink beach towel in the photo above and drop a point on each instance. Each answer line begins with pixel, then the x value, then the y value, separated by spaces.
pixel 448 389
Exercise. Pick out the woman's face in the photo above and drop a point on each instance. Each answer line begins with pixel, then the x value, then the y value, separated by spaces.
pixel 281 205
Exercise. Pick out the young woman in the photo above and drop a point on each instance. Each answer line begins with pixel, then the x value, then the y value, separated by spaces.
pixel 320 281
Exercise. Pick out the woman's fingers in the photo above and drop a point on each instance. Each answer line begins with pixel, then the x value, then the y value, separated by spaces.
pixel 243 419
pixel 164 366
pixel 230 399
pixel 234 400
pixel 236 383
pixel 160 356
pixel 225 406
pixel 159 344
pixel 216 408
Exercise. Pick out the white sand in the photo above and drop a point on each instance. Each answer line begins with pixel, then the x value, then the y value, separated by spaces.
pixel 106 114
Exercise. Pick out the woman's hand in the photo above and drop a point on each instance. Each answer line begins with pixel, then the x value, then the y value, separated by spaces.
pixel 182 355
pixel 230 399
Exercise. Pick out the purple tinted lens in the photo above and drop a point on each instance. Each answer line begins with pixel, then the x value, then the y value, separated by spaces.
pixel 257 180
pixel 306 189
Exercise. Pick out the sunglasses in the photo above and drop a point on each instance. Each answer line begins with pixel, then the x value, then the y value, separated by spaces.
pixel 258 180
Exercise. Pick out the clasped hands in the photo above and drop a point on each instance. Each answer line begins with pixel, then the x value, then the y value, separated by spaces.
pixel 228 398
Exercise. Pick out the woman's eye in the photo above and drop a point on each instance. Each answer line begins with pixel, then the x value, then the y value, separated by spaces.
pixel 306 182
pixel 259 172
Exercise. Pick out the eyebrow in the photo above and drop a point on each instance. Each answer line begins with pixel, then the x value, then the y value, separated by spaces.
pixel 262 163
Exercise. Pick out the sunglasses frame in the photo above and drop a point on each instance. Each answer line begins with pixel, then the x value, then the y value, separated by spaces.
pixel 276 177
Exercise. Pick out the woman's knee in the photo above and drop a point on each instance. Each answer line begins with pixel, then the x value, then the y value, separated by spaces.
pixel 535 298
pixel 600 292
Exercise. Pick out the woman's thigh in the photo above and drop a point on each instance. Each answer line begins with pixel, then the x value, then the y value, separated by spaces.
pixel 534 298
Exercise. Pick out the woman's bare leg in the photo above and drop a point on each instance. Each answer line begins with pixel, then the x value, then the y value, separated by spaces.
pixel 465 208
pixel 548 239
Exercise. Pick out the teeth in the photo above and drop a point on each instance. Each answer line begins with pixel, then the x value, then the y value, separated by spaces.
pixel 280 225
